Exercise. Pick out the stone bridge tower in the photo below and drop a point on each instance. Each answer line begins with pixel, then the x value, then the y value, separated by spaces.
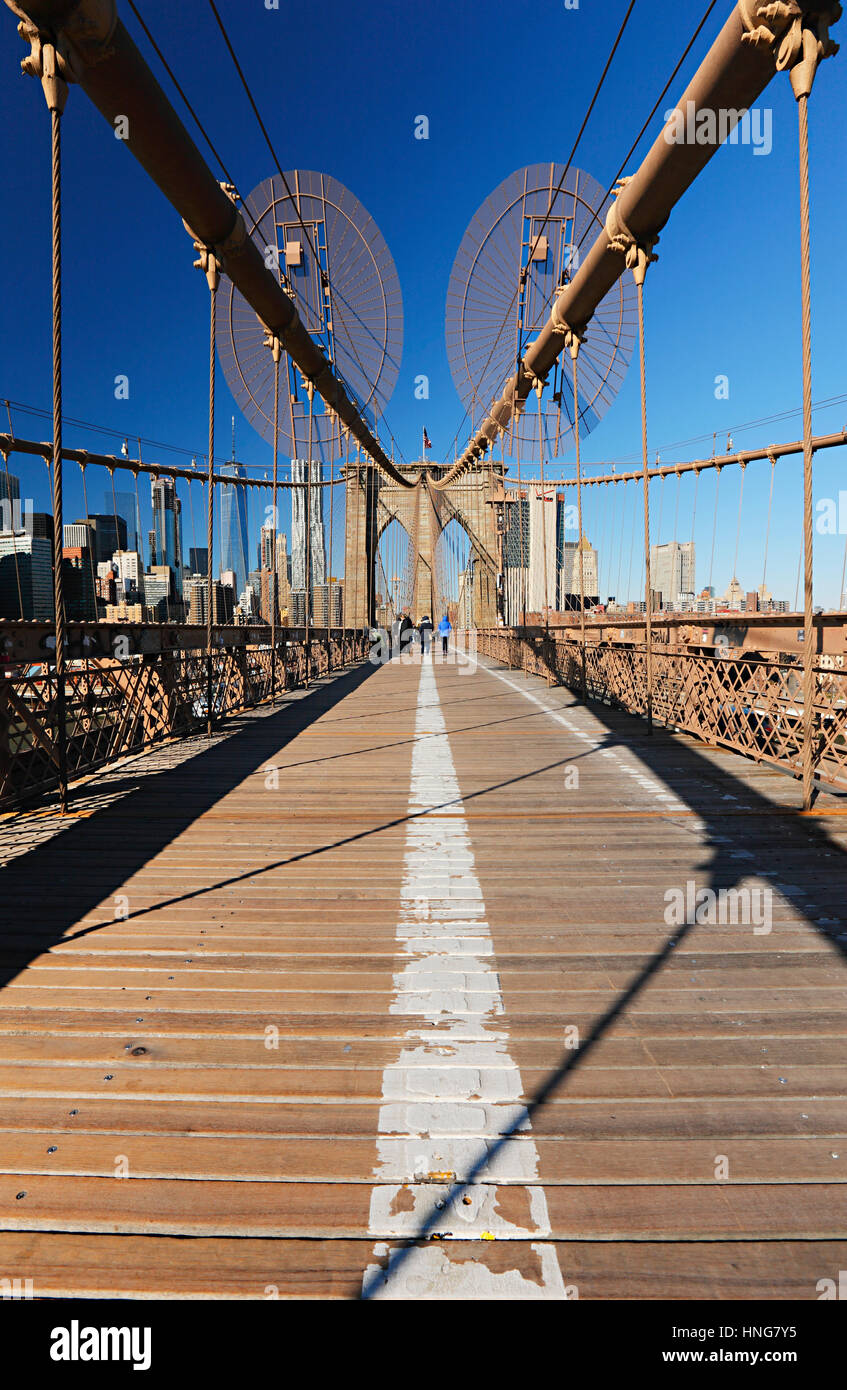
pixel 373 502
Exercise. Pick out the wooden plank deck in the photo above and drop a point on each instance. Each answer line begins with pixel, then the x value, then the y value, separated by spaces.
pixel 267 1004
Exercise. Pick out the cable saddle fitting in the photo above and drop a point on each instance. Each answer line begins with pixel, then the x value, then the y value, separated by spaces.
pixel 53 63
pixel 797 34
pixel 273 342
pixel 639 254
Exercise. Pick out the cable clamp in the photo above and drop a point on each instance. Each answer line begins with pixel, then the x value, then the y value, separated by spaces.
pixel 206 261
pixel 765 25
pixel 51 61
pixel 638 253
pixel 274 342
pixel 806 46
pixel 574 337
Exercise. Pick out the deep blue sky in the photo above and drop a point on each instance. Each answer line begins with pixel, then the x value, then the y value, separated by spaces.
pixel 503 85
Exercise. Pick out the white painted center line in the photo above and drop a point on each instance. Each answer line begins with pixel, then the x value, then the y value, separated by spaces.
pixel 454 1089
pixel 593 738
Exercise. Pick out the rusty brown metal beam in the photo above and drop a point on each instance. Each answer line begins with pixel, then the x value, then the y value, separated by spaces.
pixel 11 444
pixel 24 641
pixel 112 72
pixel 742 631
pixel 734 73
pixel 668 470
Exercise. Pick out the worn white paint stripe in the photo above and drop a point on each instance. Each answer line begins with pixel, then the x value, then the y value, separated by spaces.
pixel 593 737
pixel 454 1088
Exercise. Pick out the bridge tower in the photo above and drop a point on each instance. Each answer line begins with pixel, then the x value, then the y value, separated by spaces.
pixel 424 511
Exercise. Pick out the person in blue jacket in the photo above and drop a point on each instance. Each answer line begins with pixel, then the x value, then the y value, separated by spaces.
pixel 445 627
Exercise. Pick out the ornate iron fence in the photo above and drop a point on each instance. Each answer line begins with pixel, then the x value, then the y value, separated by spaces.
pixel 115 708
pixel 751 704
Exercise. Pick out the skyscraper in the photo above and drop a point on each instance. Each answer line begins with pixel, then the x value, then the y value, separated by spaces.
pixel 542 549
pixel 672 569
pixel 106 535
pixel 26 576
pixel 198 559
pixel 283 572
pixel 516 534
pixel 10 496
pixel 80 597
pixel 125 505
pixel 317 547
pixel 516 554
pixel 569 577
pixel 267 538
pixel 234 526
pixel 166 533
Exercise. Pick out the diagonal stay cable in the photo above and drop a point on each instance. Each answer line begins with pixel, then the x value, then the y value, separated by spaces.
pixel 188 106
pixel 592 221
pixel 551 203
pixel 249 94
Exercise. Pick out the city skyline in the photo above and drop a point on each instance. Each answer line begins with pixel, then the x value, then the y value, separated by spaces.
pixel 110 534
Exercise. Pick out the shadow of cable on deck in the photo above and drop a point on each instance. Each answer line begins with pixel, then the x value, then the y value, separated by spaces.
pixel 38 896
pixel 762 843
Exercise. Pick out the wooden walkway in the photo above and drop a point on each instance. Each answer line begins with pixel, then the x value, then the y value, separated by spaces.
pixel 270 1020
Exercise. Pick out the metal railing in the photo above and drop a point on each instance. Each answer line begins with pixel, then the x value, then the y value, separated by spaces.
pixel 116 708
pixel 753 704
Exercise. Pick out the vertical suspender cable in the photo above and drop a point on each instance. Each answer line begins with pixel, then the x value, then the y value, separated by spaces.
pixel 13 522
pixel 539 387
pixel 574 348
pixel 44 62
pixel 58 530
pixel 738 526
pixel 276 348
pixel 520 510
pixel 811 48
pixel 640 273
pixel 768 530
pixel 715 524
pixel 307 504
pixel 210 503
pixel 331 543
pixel 808 455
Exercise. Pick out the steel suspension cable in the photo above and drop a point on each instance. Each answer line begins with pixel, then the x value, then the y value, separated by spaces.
pixel 307 502
pixel 694 513
pixel 592 221
pixel 523 572
pixel 738 525
pixel 325 276
pixel 768 528
pixel 331 543
pixel 274 576
pixel 58 530
pixel 539 389
pixel 552 200
pixel 210 508
pixel 580 548
pixel 808 457
pixel 640 272
pixel 12 527
pixel 715 524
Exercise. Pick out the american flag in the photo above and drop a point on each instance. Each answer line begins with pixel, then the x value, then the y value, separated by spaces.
pixel 427 442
